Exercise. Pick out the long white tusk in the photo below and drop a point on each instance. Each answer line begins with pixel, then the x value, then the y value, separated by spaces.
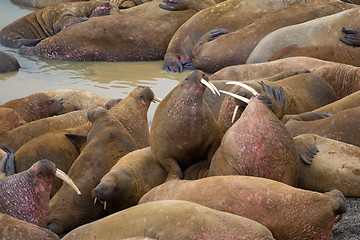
pixel 216 90
pixel 60 174
pixel 156 100
pixel 206 83
pixel 253 91
pixel 234 114
pixel 236 96
pixel 95 200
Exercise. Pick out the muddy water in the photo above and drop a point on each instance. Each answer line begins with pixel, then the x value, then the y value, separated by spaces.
pixel 114 80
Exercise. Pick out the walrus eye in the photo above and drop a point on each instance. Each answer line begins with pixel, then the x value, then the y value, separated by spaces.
pixel 141 96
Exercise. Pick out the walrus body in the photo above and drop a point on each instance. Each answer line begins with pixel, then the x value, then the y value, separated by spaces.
pixel 47 3
pixel 229 16
pixel 20 135
pixel 184 130
pixel 9 120
pixel 8 63
pixel 137 34
pixel 107 141
pixel 54 146
pixel 13 228
pixel 288 212
pixel 129 179
pixel 258 144
pixel 336 165
pixel 345 79
pixel 156 220
pixel 342 126
pixel 35 106
pixel 32 28
pixel 322 31
pixel 234 48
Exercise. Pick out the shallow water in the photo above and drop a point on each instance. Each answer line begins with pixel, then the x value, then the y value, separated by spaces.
pixel 108 79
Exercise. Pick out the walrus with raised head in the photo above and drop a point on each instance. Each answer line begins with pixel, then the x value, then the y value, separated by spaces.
pixel 183 130
pixel 107 141
pixel 156 220
pixel 288 212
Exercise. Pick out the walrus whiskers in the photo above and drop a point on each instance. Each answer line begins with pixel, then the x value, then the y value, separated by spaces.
pixel 60 174
pixel 253 91
pixel 244 99
pixel 210 86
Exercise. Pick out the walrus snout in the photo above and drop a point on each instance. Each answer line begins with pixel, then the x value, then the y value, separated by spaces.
pixel 95 113
pixel 103 192
pixel 341 204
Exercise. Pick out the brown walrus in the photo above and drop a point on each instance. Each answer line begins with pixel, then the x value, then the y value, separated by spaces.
pixel 330 165
pixel 220 19
pixel 9 120
pixel 288 212
pixel 36 26
pixel 177 5
pixel 107 141
pixel 345 79
pixel 128 180
pixel 13 228
pixel 172 219
pixel 212 53
pixel 141 33
pixel 60 147
pixel 183 130
pixel 258 144
pixel 343 126
pixel 322 31
pixel 26 195
pixel 35 106
pixel 8 63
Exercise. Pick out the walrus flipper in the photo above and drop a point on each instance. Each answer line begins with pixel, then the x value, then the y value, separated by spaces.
pixel 212 35
pixel 78 20
pixel 306 147
pixel 178 5
pixel 7 164
pixel 173 64
pixel 30 42
pixel 78 140
pixel 352 37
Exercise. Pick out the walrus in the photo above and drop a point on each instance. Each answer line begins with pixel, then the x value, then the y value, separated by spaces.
pixel 107 141
pixel 132 113
pixel 13 228
pixel 302 93
pixel 212 53
pixel 183 130
pixel 34 106
pixel 322 31
pixel 128 180
pixel 342 126
pixel 340 54
pixel 350 101
pixel 221 18
pixel 43 23
pixel 178 5
pixel 60 147
pixel 20 135
pixel 8 63
pixel 74 99
pixel 258 144
pixel 343 78
pixel 141 33
pixel 9 120
pixel 330 164
pixel 26 195
pixel 156 220
pixel 288 212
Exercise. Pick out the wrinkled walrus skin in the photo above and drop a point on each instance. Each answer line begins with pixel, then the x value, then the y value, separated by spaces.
pixel 258 144
pixel 107 141
pixel 26 195
pixel 12 228
pixel 46 22
pixel 288 212
pixel 172 220
pixel 335 165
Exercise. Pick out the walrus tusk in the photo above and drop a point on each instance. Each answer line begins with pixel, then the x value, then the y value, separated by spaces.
pixel 60 174
pixel 244 99
pixel 206 83
pixel 216 90
pixel 95 200
pixel 253 91
pixel 234 114
pixel 105 205
pixel 156 100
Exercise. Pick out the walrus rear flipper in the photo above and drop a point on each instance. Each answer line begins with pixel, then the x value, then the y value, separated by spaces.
pixel 78 20
pixel 352 37
pixel 78 140
pixel 7 164
pixel 306 146
pixel 179 5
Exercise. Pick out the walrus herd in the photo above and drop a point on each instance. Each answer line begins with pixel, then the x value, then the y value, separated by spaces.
pixel 261 139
